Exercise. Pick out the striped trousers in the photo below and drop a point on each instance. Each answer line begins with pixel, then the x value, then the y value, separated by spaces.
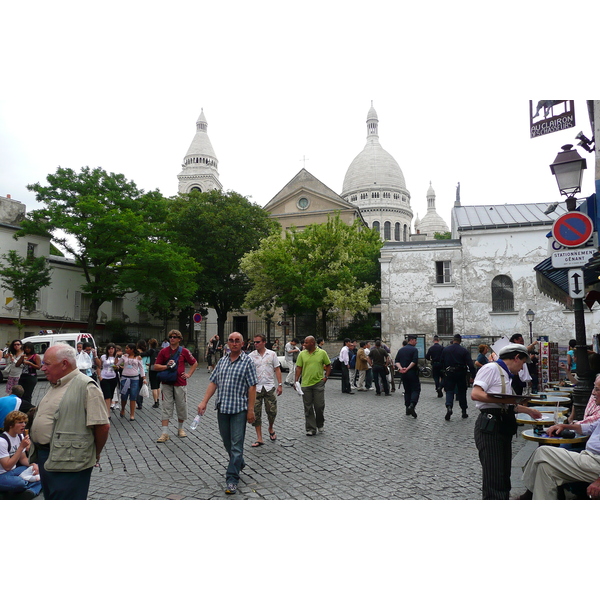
pixel 495 456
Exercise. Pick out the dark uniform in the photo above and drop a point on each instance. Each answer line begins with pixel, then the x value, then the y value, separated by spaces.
pixel 434 355
pixel 456 362
pixel 412 385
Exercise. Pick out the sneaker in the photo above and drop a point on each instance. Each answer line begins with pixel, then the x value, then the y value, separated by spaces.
pixel 24 495
pixel 448 413
pixel 320 429
pixel 231 488
pixel 311 433
pixel 181 433
pixel 163 438
pixel 155 405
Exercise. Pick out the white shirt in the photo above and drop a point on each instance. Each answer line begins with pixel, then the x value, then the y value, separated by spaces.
pixel 265 368
pixel 489 379
pixel 345 355
pixel 14 446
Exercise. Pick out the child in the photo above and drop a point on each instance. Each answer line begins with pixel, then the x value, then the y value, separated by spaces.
pixel 13 458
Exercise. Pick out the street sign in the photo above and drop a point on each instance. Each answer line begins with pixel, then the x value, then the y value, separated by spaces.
pixel 572 229
pixel 576 285
pixel 197 318
pixel 572 258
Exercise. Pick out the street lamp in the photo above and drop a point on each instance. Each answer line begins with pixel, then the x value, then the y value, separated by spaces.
pixel 568 169
pixel 530 316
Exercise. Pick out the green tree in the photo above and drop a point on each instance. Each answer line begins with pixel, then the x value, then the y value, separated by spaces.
pixel 438 235
pixel 218 228
pixel 24 276
pixel 101 218
pixel 329 268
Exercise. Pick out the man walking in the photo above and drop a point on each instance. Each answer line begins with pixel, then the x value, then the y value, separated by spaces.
pixel 407 362
pixel 363 362
pixel 434 356
pixel 345 362
pixel 74 404
pixel 457 362
pixel 311 364
pixel 291 354
pixel 379 359
pixel 235 379
pixel 268 370
pixel 174 358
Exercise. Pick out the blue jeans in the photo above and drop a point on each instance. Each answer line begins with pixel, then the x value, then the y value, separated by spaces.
pixel 134 388
pixel 233 432
pixel 11 483
pixel 59 485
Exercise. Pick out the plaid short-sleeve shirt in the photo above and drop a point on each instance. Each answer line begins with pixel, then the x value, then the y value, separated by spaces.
pixel 233 380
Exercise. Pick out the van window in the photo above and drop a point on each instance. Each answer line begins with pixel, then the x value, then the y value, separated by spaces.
pixel 70 342
pixel 41 347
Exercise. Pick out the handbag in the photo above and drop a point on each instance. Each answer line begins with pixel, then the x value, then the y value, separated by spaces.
pixel 169 375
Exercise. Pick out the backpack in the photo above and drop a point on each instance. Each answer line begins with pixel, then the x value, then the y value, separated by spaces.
pixel 352 362
pixel 170 375
pixel 5 436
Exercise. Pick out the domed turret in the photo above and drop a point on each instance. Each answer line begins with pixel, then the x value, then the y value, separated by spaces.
pixel 375 183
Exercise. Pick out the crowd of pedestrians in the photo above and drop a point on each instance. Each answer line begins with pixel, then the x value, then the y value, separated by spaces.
pixel 246 375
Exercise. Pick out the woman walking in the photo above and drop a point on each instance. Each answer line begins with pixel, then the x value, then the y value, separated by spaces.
pixel 31 363
pixel 133 368
pixel 108 375
pixel 12 372
pixel 153 375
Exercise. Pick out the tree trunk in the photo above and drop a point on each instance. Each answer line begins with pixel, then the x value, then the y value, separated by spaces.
pixel 93 316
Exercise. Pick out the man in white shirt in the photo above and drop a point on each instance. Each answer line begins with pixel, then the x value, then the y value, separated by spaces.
pixel 267 370
pixel 291 351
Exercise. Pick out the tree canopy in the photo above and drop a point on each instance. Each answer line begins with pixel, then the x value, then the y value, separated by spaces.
pixel 218 228
pixel 327 267
pixel 24 276
pixel 113 229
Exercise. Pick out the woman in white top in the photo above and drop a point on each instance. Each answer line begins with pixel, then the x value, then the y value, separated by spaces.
pixel 107 375
pixel 12 372
pixel 133 369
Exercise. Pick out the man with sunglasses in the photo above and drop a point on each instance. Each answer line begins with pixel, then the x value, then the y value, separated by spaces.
pixel 496 424
pixel 235 379
pixel 174 393
pixel 267 371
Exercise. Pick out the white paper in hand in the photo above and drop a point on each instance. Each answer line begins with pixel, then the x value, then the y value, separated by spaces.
pixel 298 388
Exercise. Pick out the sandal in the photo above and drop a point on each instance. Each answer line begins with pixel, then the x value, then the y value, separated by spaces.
pixel 257 444
pixel 273 436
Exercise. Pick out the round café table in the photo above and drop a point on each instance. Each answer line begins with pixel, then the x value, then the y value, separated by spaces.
pixel 551 401
pixel 524 419
pixel 529 434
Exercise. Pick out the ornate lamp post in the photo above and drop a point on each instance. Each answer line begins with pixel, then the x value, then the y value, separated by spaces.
pixel 530 316
pixel 568 169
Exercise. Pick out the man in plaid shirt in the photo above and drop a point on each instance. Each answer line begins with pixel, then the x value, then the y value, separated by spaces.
pixel 235 379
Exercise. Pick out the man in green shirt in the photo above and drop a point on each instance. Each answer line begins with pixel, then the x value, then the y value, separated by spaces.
pixel 310 365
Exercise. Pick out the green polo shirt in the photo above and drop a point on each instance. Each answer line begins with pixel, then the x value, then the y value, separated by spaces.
pixel 312 365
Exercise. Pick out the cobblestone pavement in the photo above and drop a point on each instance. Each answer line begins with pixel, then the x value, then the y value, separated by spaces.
pixel 369 450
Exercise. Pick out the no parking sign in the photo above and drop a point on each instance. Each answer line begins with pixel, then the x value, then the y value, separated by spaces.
pixel 573 229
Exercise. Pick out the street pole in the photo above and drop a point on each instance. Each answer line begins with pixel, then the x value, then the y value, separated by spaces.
pixel 583 389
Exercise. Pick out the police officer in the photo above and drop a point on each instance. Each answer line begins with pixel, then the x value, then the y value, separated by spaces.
pixel 434 355
pixel 456 362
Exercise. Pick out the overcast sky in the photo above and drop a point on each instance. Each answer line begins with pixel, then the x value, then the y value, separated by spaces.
pixel 119 85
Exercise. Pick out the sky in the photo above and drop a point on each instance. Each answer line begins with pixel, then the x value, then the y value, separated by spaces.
pixel 119 85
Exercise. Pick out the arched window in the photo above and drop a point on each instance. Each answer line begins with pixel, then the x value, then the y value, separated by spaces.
pixel 387 231
pixel 376 225
pixel 503 298
pixel 397 232
pixel 405 234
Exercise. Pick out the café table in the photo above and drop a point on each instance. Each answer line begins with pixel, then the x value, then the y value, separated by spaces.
pixel 524 419
pixel 530 435
pixel 551 401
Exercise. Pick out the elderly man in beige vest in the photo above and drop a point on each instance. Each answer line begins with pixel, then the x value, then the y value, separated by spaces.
pixel 70 427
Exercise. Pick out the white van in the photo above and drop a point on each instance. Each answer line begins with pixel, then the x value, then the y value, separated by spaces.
pixel 41 343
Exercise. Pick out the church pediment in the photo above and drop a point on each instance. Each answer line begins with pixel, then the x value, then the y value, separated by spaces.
pixel 305 194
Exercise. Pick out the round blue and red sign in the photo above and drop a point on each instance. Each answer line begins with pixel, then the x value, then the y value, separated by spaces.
pixel 197 318
pixel 573 229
